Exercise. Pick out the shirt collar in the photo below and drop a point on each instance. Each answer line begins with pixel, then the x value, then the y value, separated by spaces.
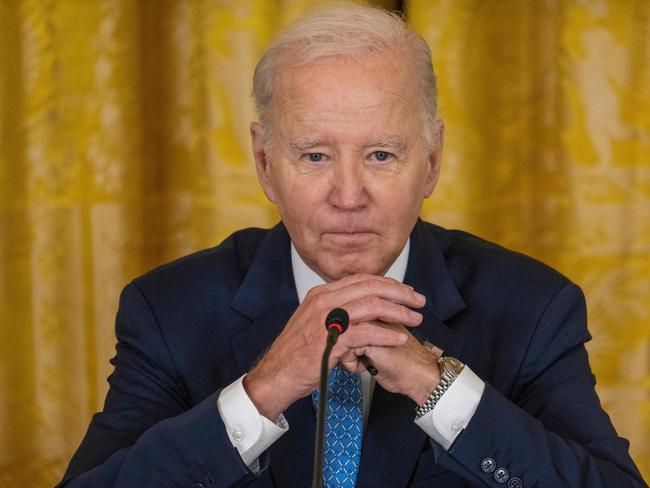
pixel 306 278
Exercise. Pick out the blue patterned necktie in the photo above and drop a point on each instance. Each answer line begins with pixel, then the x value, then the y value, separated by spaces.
pixel 343 428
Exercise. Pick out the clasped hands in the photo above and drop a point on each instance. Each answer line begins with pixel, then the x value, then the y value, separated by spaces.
pixel 380 310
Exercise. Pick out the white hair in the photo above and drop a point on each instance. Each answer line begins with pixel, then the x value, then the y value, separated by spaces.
pixel 346 31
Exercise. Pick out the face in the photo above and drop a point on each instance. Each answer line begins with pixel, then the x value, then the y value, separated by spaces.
pixel 347 162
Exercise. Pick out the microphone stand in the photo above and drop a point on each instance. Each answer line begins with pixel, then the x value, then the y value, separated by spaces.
pixel 317 475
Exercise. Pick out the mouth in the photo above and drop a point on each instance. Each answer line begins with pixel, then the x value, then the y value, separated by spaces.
pixel 350 237
pixel 348 232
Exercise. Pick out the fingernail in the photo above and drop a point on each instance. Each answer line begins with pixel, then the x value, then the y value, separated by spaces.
pixel 417 316
pixel 420 297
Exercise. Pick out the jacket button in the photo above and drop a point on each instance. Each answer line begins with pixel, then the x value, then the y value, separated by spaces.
pixel 488 465
pixel 515 483
pixel 501 475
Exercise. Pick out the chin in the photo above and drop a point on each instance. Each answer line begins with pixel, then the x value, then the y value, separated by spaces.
pixel 341 267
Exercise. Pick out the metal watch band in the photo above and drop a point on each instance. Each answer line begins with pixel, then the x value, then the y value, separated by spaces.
pixel 447 377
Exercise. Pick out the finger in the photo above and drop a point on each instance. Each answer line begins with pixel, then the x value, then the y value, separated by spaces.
pixel 358 287
pixel 350 359
pixel 342 283
pixel 386 288
pixel 367 334
pixel 357 360
pixel 373 308
pixel 359 277
pixel 368 366
pixel 351 363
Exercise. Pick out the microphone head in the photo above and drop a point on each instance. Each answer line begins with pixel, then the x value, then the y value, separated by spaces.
pixel 338 319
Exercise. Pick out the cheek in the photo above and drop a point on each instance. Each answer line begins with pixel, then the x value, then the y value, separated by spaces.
pixel 298 201
pixel 403 208
pixel 401 196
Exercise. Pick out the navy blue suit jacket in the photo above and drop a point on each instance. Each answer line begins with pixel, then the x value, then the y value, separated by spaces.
pixel 191 327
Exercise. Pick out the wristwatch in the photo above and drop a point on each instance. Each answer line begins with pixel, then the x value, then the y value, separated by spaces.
pixel 450 369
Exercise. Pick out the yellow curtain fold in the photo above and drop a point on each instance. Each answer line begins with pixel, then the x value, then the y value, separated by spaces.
pixel 124 144
pixel 547 111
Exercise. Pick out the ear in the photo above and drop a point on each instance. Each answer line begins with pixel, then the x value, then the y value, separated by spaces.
pixel 435 158
pixel 262 163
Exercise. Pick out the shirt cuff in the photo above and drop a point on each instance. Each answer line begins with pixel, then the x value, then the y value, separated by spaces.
pixel 249 431
pixel 454 410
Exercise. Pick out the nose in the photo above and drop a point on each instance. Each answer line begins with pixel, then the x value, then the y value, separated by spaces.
pixel 348 189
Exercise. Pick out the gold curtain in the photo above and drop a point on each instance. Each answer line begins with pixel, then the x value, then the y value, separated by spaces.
pixel 547 111
pixel 124 144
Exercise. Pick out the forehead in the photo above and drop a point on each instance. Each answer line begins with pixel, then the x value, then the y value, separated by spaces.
pixel 350 96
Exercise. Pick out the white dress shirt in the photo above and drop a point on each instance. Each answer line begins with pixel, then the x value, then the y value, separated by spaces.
pixel 252 433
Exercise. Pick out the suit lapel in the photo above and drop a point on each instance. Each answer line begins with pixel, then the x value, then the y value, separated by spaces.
pixel 267 297
pixel 392 441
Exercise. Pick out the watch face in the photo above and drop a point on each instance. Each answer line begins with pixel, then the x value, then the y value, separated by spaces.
pixel 453 365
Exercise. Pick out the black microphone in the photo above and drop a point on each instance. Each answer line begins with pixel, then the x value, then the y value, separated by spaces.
pixel 336 323
pixel 338 320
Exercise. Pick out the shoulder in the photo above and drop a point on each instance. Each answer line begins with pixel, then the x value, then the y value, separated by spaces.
pixel 515 305
pixel 223 265
pixel 474 261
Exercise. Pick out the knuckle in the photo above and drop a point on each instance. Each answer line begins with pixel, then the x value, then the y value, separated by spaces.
pixel 314 292
pixel 371 303
pixel 319 300
pixel 367 333
pixel 357 335
pixel 405 313
pixel 370 285
pixel 386 335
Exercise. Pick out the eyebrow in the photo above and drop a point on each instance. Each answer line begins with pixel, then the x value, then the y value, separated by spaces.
pixel 304 144
pixel 389 142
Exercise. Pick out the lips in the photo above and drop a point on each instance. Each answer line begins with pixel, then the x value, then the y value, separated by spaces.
pixel 350 234
pixel 348 239
pixel 349 230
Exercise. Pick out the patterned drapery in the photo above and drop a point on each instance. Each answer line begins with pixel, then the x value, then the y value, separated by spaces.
pixel 124 144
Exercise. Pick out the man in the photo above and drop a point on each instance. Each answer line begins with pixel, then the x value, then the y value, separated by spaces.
pixel 218 354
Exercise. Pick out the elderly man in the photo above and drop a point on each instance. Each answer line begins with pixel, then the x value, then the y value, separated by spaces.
pixel 483 379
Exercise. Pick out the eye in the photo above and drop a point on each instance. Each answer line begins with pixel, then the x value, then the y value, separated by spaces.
pixel 382 155
pixel 315 157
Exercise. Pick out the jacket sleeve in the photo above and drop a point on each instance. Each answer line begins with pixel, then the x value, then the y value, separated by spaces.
pixel 148 433
pixel 550 431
